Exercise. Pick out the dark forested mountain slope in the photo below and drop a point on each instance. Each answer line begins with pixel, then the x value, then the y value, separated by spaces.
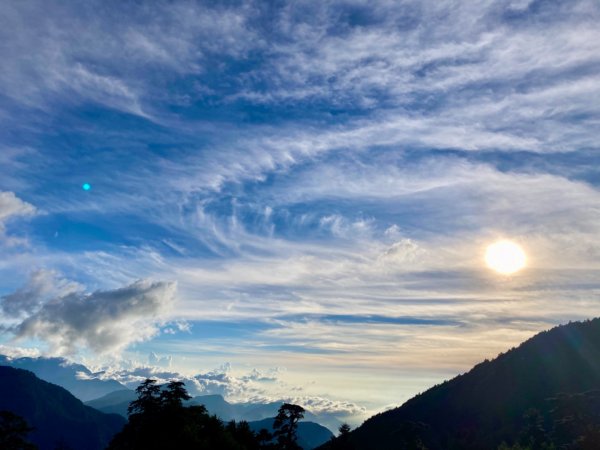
pixel 492 402
pixel 58 418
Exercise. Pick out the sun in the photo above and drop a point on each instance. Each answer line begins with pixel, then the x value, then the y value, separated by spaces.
pixel 505 257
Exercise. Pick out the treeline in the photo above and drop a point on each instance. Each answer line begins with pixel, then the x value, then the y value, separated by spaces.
pixel 570 421
pixel 567 422
pixel 556 372
pixel 158 420
pixel 13 432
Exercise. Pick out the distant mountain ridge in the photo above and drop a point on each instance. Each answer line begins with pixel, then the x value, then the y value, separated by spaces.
pixel 65 374
pixel 118 401
pixel 111 396
pixel 488 405
pixel 310 434
pixel 58 418
pixel 115 402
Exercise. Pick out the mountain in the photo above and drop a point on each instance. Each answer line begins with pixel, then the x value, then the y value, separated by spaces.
pixel 118 401
pixel 217 405
pixel 115 402
pixel 259 411
pixel 310 434
pixel 539 387
pixel 110 396
pixel 75 378
pixel 55 414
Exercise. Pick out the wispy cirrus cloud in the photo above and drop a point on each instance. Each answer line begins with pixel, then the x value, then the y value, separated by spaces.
pixel 319 179
pixel 104 65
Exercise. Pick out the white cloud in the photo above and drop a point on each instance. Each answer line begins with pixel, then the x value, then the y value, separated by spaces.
pixel 353 219
pixel 320 405
pixel 269 376
pixel 42 286
pixel 254 387
pixel 159 361
pixel 12 206
pixel 103 321
pixel 19 352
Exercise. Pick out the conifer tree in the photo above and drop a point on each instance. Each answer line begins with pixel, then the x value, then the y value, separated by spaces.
pixel 286 426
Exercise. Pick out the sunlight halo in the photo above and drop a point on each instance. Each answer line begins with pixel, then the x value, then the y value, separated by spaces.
pixel 505 257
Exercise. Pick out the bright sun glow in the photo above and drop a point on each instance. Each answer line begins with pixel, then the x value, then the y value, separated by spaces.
pixel 505 257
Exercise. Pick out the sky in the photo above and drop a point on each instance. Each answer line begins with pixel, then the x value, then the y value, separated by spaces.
pixel 294 198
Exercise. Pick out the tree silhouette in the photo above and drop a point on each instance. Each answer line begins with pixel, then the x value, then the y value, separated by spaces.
pixel 13 430
pixel 534 435
pixel 265 438
pixel 244 435
pixel 62 445
pixel 343 441
pixel 148 400
pixel 286 426
pixel 590 439
pixel 174 395
pixel 410 433
pixel 344 430
pixel 158 420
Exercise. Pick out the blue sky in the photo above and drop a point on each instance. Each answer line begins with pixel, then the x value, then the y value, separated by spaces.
pixel 306 189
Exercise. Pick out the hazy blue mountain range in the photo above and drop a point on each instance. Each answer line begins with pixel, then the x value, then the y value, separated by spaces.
pixel 118 401
pixel 310 434
pixel 111 396
pixel 546 390
pixel 76 378
pixel 216 404
pixel 58 418
pixel 114 402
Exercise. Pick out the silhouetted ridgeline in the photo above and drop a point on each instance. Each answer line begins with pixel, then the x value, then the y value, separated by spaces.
pixel 540 394
pixel 159 420
pixel 310 434
pixel 65 374
pixel 33 410
pixel 55 414
pixel 118 402
pixel 543 395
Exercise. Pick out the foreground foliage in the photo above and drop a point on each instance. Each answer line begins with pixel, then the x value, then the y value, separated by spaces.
pixel 57 419
pixel 13 432
pixel 542 395
pixel 159 420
